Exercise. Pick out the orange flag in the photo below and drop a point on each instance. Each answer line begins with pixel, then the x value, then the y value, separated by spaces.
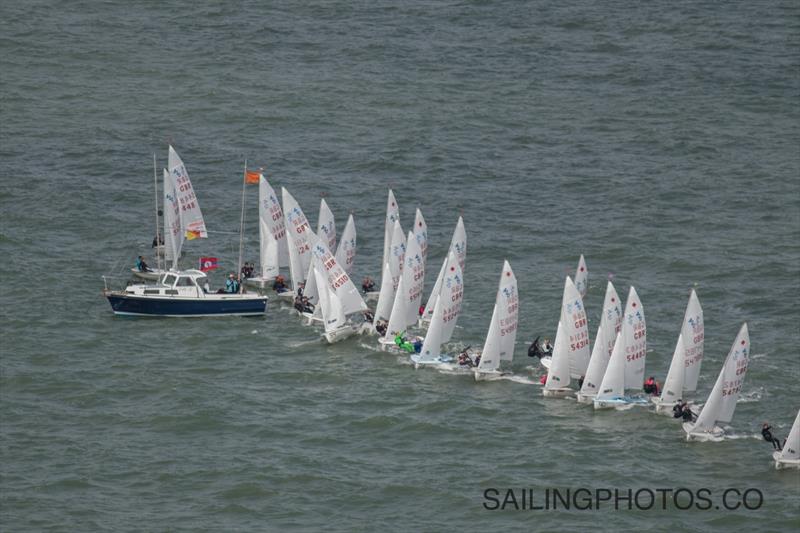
pixel 251 177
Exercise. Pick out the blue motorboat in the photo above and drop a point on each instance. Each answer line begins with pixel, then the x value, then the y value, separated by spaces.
pixel 183 294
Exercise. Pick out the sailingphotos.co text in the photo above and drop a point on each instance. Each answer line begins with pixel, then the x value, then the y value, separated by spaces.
pixel 642 499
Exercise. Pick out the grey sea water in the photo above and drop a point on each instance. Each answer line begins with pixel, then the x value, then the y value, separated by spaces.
pixel 661 141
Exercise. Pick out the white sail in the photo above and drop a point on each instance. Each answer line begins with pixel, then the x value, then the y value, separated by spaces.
pixel 274 252
pixel 392 215
pixel 458 245
pixel 413 277
pixel 634 341
pixel 613 383
pixel 339 282
pixel 451 296
pixel 610 325
pixel 791 448
pixel 502 334
pixel 397 319
pixel 432 345
pixel 576 329
pixel 421 234
pixel 383 308
pixel 693 331
pixel 193 225
pixel 673 385
pixel 297 231
pixel 582 277
pixel 427 313
pixel 311 289
pixel 558 373
pixel 331 307
pixel 316 279
pixel 326 225
pixel 397 253
pixel 346 252
pixel 173 235
pixel 722 401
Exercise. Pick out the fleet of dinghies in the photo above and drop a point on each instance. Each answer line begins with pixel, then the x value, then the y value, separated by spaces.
pixel 610 375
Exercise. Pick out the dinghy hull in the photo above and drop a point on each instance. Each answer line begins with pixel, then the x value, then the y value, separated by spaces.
pixel 781 463
pixel 558 393
pixel 340 334
pixel 213 305
pixel 585 398
pixel 618 402
pixel 716 434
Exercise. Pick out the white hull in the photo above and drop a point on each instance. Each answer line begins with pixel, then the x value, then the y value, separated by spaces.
pixel 311 319
pixel 784 463
pixel 371 296
pixel 715 435
pixel 442 361
pixel 585 398
pixel 662 408
pixel 287 296
pixel 562 392
pixel 488 376
pixel 259 282
pixel 341 333
pixel 618 403
pixel 546 361
pixel 151 275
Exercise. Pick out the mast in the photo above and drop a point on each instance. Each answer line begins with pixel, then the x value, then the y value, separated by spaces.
pixel 155 197
pixel 241 229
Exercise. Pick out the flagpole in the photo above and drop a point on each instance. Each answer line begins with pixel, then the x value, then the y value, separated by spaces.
pixel 241 230
pixel 155 195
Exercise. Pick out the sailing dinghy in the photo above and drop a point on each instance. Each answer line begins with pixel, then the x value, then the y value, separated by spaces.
pixel 723 397
pixel 391 276
pixel 576 331
pixel 178 187
pixel 789 456
pixel 392 216
pixel 610 325
pixel 297 231
pixel 339 301
pixel 445 316
pixel 458 246
pixel 273 250
pixel 625 370
pixel 502 334
pixel 557 384
pixel 407 296
pixel 685 365
pixel 346 252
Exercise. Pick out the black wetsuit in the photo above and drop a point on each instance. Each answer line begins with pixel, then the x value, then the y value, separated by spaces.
pixel 534 351
pixel 767 434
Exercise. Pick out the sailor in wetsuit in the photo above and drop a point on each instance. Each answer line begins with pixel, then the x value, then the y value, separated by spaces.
pixel 767 434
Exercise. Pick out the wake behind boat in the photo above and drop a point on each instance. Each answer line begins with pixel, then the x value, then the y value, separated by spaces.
pixel 183 294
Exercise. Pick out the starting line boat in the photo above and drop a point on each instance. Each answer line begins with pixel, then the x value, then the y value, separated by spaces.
pixel 183 294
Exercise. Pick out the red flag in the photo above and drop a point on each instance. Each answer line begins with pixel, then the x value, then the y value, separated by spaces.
pixel 208 263
pixel 251 177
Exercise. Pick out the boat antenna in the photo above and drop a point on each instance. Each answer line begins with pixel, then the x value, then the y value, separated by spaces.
pixel 241 227
pixel 155 195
